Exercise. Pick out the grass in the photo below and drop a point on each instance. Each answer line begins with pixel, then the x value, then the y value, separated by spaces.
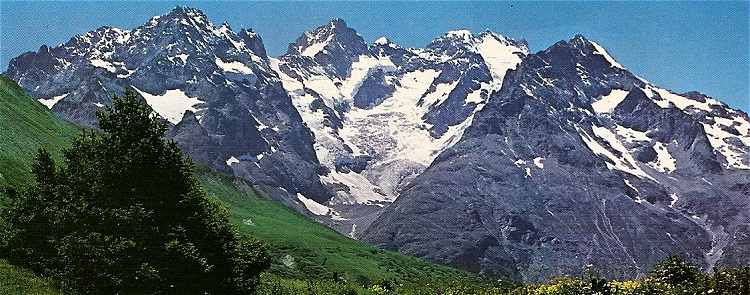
pixel 16 280
pixel 26 126
pixel 303 248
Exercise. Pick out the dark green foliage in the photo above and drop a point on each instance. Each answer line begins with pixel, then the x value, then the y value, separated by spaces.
pixel 124 213
pixel 675 271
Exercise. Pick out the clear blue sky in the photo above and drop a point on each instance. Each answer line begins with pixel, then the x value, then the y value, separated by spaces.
pixel 679 45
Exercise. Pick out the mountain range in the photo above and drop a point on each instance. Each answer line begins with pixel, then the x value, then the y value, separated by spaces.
pixel 471 151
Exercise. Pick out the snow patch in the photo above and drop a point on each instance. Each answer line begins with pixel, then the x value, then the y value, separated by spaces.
pixel 314 207
pixel 171 105
pixel 631 135
pixel 498 56
pixel 50 102
pixel 382 41
pixel 183 57
pixel 104 65
pixel 539 162
pixel 233 66
pixel 608 103
pixel 625 163
pixel 734 155
pixel 314 49
pixel 361 190
pixel 522 164
pixel 682 102
pixel 601 51
pixel 638 196
pixel 232 160
pixel 674 199
pixel 664 160
pixel 361 69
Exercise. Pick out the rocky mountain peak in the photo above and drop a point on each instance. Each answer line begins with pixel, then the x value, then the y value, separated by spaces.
pixel 253 41
pixel 463 41
pixel 334 44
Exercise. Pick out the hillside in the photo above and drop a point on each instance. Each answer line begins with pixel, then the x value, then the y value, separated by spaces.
pixel 301 247
pixel 27 126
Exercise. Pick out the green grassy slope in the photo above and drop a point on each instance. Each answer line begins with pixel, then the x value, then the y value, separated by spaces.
pixel 15 280
pixel 301 247
pixel 304 248
pixel 25 126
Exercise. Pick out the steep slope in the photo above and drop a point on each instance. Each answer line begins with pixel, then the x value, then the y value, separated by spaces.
pixel 27 126
pixel 301 247
pixel 380 113
pixel 226 106
pixel 576 161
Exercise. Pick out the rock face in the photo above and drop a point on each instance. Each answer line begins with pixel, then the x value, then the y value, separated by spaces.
pixel 382 120
pixel 226 106
pixel 469 151
pixel 576 161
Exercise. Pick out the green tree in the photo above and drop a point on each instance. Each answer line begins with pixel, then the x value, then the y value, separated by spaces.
pixel 678 274
pixel 124 214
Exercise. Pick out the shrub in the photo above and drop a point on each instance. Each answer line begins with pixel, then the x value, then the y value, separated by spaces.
pixel 124 214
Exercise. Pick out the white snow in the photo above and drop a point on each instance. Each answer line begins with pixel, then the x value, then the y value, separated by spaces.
pixel 314 207
pixel 315 48
pixel 683 102
pixel 539 162
pixel 233 66
pixel 608 103
pixel 361 69
pixel 394 132
pixel 361 190
pixel 353 232
pixel 50 102
pixel 638 196
pixel 382 41
pixel 498 56
pixel 601 51
pixel 734 155
pixel 522 164
pixel 664 160
pixel 626 163
pixel 674 199
pixel 631 135
pixel 232 160
pixel 123 76
pixel 183 57
pixel 104 65
pixel 172 104
pixel 441 92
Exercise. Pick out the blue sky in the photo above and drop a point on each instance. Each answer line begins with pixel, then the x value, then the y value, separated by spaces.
pixel 679 45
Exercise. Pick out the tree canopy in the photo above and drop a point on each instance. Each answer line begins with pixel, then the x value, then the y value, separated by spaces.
pixel 124 213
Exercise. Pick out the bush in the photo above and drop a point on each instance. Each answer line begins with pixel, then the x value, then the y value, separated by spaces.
pixel 124 214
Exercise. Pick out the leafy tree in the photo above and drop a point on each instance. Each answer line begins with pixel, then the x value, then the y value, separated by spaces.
pixel 675 271
pixel 124 214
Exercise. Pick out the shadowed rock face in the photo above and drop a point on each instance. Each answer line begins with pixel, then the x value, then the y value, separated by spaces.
pixel 469 151
pixel 542 184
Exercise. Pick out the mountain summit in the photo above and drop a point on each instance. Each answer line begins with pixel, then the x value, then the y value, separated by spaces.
pixel 471 151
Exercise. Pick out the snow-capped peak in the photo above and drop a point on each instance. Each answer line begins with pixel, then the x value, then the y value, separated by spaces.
pixel 382 41
pixel 459 34
pixel 601 51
